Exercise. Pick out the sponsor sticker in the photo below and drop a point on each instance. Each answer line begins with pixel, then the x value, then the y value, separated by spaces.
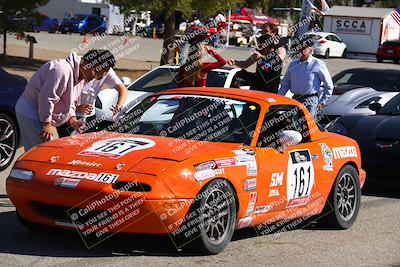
pixel 108 178
pixel 343 152
pixel 252 198
pixel 84 163
pixel 249 211
pixel 244 222
pixel 273 193
pixel 300 177
pixel 228 162
pixel 251 168
pixel 116 148
pixel 297 202
pixel 262 209
pixel 66 182
pixel 207 174
pixel 250 184
pixel 209 165
pixel 327 157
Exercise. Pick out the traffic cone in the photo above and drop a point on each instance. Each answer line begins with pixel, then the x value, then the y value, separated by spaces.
pixel 84 39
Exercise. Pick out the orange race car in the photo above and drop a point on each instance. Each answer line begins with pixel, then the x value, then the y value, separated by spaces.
pixel 196 164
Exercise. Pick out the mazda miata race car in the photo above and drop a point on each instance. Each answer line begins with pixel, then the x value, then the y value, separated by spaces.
pixel 196 164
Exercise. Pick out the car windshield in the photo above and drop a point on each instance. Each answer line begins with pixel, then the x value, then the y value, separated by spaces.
pixel 80 17
pixel 165 78
pixel 392 44
pixel 392 107
pixel 380 80
pixel 193 117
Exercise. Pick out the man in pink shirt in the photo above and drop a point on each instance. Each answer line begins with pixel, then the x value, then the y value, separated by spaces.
pixel 50 97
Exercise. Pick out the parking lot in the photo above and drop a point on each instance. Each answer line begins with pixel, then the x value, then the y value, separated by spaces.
pixel 374 240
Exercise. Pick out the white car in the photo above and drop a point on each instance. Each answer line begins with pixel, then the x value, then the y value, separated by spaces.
pixel 158 79
pixel 328 45
pixel 355 89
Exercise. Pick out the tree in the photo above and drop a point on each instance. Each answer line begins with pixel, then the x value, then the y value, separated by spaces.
pixel 168 8
pixel 14 15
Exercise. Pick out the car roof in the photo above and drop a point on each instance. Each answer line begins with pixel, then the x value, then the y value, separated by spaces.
pixel 371 70
pixel 233 92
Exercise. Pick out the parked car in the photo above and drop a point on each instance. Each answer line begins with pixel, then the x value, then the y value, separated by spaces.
pixel 328 44
pixel 90 24
pixel 70 24
pixel 356 88
pixel 83 24
pixel 47 24
pixel 159 79
pixel 11 88
pixel 389 50
pixel 378 136
pixel 207 167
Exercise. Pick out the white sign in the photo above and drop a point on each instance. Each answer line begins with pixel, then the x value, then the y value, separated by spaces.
pixel 351 25
pixel 115 148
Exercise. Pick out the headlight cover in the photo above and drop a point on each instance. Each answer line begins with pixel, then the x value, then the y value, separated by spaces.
pixel 21 174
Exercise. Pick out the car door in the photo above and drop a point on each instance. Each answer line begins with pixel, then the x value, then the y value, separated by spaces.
pixel 287 170
pixel 339 46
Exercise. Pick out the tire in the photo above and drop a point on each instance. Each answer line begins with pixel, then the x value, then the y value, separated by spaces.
pixel 83 31
pixel 379 60
pixel 218 218
pixel 396 60
pixel 327 52
pixel 344 54
pixel 8 140
pixel 339 215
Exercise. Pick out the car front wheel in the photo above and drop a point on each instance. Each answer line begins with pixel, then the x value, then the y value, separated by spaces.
pixel 343 204
pixel 216 210
pixel 8 140
pixel 327 53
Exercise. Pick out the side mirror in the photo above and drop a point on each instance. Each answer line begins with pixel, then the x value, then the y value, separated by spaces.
pixel 126 81
pixel 375 106
pixel 290 138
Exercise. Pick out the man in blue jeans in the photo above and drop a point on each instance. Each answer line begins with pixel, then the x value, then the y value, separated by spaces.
pixel 303 78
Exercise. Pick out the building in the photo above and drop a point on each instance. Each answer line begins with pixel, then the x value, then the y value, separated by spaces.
pixel 363 29
pixel 59 8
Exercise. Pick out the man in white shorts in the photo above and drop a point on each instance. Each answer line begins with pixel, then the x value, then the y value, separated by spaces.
pixel 84 109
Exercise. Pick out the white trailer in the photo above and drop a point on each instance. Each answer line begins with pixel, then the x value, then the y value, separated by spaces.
pixel 59 8
pixel 363 29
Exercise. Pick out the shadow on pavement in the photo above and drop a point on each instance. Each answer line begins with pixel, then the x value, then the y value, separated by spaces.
pixel 15 239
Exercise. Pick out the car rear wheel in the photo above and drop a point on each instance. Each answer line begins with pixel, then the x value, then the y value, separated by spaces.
pixel 344 54
pixel 8 140
pixel 396 60
pixel 216 208
pixel 343 204
pixel 327 53
pixel 379 60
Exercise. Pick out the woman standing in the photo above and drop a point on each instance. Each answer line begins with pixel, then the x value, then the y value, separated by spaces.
pixel 194 71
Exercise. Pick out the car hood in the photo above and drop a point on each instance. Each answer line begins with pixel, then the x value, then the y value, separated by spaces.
pixel 149 154
pixel 347 102
pixel 378 126
pixel 378 136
